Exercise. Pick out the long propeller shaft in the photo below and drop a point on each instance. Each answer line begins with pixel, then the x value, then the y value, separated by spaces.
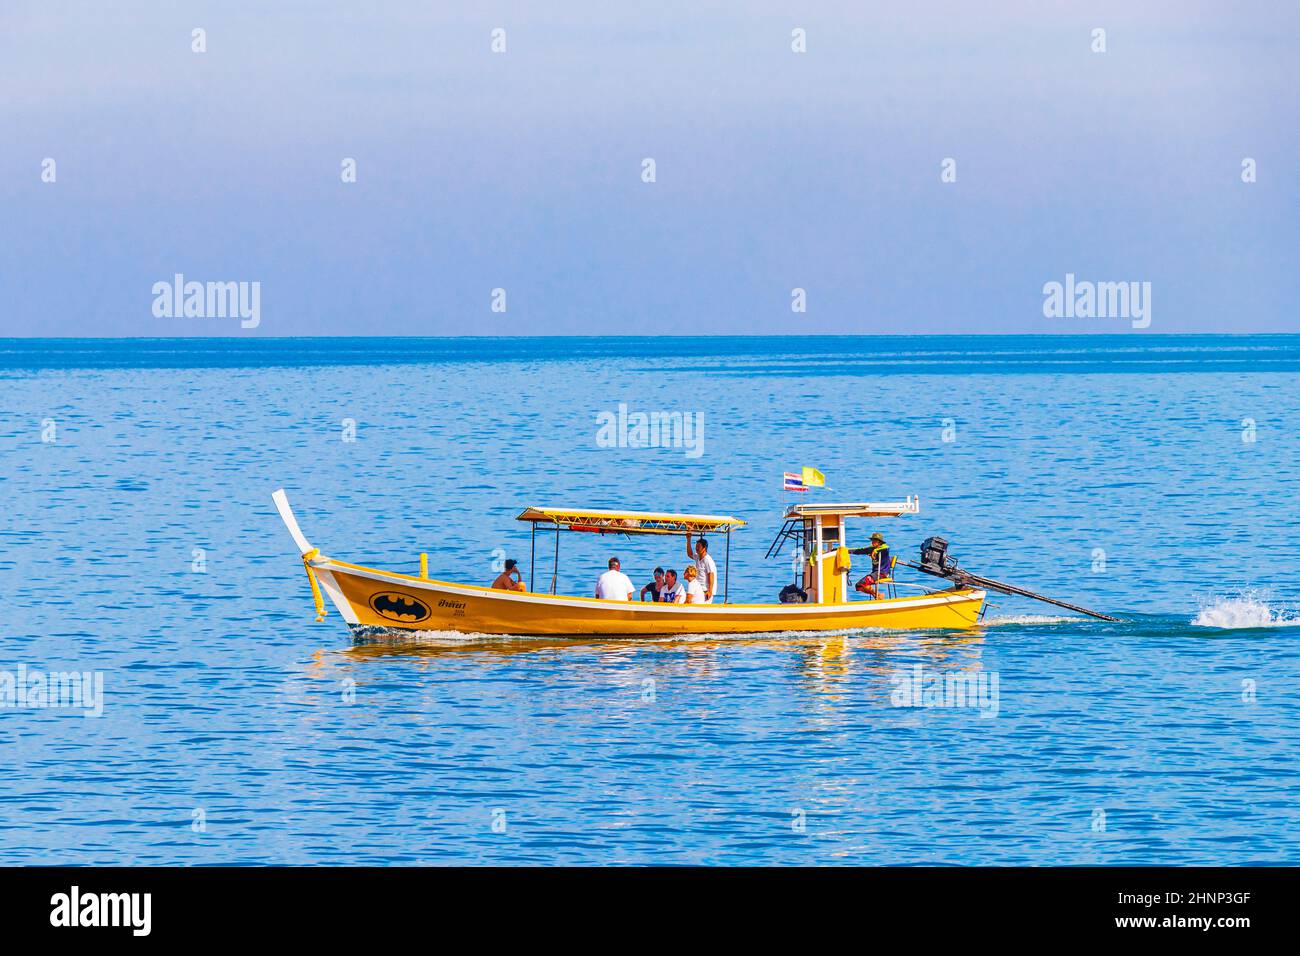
pixel 964 578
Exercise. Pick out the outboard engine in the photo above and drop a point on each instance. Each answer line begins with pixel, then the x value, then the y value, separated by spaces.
pixel 935 558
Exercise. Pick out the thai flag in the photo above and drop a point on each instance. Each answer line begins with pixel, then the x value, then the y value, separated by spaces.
pixel 794 482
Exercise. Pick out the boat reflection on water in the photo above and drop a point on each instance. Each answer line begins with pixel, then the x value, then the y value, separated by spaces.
pixel 829 660
pixel 824 661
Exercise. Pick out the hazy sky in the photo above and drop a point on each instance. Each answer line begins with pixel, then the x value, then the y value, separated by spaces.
pixel 522 170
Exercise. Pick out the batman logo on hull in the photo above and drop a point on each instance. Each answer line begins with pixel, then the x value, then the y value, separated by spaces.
pixel 399 607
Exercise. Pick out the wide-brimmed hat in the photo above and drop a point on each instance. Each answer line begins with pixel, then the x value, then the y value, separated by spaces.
pixel 877 536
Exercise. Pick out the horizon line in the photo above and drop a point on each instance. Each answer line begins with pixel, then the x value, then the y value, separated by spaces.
pixel 566 335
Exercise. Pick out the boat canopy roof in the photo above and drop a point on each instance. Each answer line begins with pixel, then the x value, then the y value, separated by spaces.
pixel 858 509
pixel 629 522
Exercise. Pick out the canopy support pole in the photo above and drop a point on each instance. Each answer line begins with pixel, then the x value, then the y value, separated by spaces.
pixel 726 570
pixel 532 558
pixel 555 570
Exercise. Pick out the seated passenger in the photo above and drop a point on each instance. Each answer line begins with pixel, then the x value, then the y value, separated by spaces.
pixel 614 585
pixel 672 592
pixel 793 594
pixel 510 579
pixel 694 590
pixel 655 586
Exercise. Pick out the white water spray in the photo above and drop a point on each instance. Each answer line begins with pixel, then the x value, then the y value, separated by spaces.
pixel 1245 610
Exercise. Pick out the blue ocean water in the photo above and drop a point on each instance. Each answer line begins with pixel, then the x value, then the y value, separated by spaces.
pixel 1154 478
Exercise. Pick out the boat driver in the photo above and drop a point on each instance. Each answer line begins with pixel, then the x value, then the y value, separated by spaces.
pixel 881 566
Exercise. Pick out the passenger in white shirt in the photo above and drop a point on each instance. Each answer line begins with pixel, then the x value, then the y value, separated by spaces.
pixel 614 585
pixel 694 592
pixel 672 592
pixel 704 566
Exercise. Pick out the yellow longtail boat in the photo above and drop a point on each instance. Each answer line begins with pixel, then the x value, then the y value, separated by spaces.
pixel 371 600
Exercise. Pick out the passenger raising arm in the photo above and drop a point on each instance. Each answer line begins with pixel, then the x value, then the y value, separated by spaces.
pixel 705 567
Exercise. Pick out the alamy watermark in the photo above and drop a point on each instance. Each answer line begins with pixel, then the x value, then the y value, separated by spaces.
pixel 624 429
pixel 53 690
pixel 1098 300
pixel 75 908
pixel 208 300
pixel 921 688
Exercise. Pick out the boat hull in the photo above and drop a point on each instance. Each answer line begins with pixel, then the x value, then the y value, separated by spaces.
pixel 369 598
